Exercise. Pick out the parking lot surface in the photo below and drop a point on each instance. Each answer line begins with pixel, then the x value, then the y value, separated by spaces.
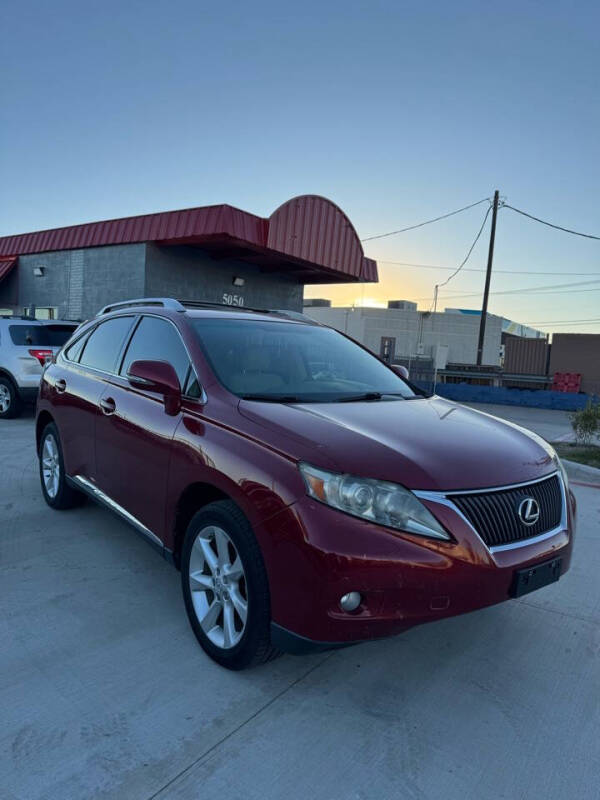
pixel 104 692
pixel 553 425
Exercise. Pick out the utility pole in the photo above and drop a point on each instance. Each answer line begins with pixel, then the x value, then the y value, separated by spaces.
pixel 435 297
pixel 488 276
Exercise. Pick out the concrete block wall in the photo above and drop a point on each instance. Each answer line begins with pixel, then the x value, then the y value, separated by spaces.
pixel 79 282
pixel 459 332
pixel 346 320
pixel 400 324
pixel 190 273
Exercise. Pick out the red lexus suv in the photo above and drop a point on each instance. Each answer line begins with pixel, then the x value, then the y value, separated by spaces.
pixel 310 496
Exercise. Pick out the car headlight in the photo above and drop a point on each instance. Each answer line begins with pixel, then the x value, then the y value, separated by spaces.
pixel 563 472
pixel 377 501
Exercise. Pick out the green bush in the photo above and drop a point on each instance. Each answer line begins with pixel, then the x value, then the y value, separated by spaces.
pixel 586 423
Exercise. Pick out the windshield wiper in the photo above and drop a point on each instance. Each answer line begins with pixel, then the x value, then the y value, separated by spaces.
pixel 358 397
pixel 272 398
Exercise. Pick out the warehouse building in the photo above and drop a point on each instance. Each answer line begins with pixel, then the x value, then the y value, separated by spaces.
pixel 401 332
pixel 216 254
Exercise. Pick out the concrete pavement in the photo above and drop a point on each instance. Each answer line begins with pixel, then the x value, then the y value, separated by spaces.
pixel 104 692
pixel 553 425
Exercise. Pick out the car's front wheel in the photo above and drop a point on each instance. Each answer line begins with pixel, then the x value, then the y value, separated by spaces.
pixel 57 492
pixel 225 587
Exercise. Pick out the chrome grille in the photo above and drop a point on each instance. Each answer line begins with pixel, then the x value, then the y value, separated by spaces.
pixel 495 517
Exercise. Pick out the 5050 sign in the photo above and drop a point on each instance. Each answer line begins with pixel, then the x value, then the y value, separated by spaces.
pixel 233 299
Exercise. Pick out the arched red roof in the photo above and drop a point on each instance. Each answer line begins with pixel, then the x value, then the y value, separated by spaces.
pixel 309 237
pixel 316 230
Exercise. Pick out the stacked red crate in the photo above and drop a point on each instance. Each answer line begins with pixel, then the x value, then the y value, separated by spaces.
pixel 566 382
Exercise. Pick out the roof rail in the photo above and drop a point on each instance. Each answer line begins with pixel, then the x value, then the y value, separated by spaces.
pixel 181 305
pixel 296 315
pixel 225 306
pixel 165 302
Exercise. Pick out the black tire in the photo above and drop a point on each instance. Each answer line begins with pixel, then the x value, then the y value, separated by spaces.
pixel 254 646
pixel 15 404
pixel 65 496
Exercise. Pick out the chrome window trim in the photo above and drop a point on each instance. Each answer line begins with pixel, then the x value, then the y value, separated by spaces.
pixel 62 353
pixel 89 332
pixel 444 499
pixel 122 352
pixel 203 397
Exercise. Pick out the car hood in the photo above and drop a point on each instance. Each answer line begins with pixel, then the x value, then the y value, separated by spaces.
pixel 425 443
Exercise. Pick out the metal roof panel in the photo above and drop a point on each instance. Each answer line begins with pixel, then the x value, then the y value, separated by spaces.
pixel 309 229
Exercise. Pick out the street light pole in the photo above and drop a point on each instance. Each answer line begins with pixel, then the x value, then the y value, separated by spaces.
pixel 488 276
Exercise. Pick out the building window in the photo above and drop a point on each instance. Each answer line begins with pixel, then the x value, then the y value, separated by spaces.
pixel 42 312
pixel 387 348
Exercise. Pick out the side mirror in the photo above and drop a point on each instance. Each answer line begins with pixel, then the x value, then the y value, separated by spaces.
pixel 159 377
pixel 400 370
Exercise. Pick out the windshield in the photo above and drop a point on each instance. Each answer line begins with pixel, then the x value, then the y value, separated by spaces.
pixel 40 335
pixel 290 362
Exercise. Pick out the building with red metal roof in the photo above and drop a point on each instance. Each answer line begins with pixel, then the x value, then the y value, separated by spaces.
pixel 212 253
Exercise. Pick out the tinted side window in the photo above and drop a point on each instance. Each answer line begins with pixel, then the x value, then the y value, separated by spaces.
pixel 192 388
pixel 104 344
pixel 74 351
pixel 157 340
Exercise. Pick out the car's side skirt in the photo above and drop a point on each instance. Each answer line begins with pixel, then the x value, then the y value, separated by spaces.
pixel 85 485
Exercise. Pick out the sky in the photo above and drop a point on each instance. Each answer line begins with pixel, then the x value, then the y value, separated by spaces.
pixel 396 111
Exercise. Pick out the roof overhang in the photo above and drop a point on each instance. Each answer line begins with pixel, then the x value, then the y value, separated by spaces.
pixel 308 238
pixel 6 265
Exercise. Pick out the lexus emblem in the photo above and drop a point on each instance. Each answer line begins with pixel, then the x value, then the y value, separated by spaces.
pixel 529 511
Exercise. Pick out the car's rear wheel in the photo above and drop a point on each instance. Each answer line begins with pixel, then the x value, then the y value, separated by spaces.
pixel 57 492
pixel 225 587
pixel 10 402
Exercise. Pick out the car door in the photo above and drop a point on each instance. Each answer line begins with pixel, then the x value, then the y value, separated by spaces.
pixel 76 382
pixel 134 433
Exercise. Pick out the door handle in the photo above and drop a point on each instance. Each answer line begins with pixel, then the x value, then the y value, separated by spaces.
pixel 60 385
pixel 108 406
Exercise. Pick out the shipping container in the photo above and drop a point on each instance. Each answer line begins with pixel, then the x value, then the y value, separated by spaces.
pixel 525 356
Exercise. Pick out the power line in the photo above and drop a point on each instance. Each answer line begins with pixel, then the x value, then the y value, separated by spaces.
pixel 520 291
pixel 466 258
pixel 539 288
pixel 550 224
pixel 561 291
pixel 427 222
pixel 530 290
pixel 563 325
pixel 563 321
pixel 475 269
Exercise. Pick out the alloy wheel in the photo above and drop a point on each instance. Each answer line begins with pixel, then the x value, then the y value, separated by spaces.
pixel 4 399
pixel 50 466
pixel 218 587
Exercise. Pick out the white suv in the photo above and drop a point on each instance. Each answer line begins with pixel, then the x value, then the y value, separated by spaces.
pixel 25 346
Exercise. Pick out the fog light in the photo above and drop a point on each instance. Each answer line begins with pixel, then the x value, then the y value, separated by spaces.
pixel 350 601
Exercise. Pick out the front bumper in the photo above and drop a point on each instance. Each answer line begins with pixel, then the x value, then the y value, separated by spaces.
pixel 317 554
